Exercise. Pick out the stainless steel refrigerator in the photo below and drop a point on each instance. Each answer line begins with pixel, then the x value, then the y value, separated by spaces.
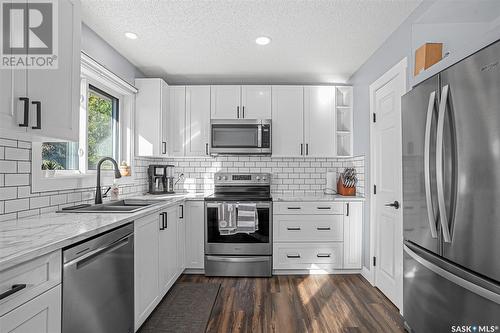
pixel 451 196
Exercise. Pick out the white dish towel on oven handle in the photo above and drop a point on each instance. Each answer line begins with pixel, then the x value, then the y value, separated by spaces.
pixel 227 218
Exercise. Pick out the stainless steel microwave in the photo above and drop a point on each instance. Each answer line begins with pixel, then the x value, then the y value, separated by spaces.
pixel 240 136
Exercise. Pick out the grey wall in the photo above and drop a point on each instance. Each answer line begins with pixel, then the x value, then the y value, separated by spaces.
pixel 463 26
pixel 106 55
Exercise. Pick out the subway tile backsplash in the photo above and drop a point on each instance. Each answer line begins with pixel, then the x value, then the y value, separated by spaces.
pixel 290 176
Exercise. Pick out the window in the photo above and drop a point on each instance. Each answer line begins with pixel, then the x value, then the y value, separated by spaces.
pixel 106 120
pixel 102 128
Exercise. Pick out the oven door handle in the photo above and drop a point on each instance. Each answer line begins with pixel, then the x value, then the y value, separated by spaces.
pixel 215 204
pixel 238 259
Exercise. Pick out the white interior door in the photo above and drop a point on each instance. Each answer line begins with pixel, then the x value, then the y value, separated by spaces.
pixel 387 177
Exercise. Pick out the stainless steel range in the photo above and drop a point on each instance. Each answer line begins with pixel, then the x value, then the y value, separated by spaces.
pixel 238 226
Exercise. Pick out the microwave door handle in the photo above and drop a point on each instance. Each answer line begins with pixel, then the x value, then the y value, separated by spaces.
pixel 259 136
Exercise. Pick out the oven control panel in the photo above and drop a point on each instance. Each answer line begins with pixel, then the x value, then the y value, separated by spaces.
pixel 224 178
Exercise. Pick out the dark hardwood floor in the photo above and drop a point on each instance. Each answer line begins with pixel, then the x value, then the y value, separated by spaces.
pixel 313 303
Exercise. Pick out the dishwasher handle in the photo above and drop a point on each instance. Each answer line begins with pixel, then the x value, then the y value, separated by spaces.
pixel 90 256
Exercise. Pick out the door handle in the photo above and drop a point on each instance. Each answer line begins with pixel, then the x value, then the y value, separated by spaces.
pixel 38 105
pixel 182 212
pixel 394 204
pixel 293 208
pixel 323 228
pixel 14 289
pixel 26 111
pixel 243 111
pixel 323 255
pixel 165 220
pixel 427 160
pixel 293 228
pixel 307 149
pixel 206 148
pixel 443 215
pixel 301 149
pixel 238 112
pixel 163 147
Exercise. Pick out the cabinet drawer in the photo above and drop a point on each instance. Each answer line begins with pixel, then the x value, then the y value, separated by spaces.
pixel 307 255
pixel 29 279
pixel 308 208
pixel 308 228
pixel 41 314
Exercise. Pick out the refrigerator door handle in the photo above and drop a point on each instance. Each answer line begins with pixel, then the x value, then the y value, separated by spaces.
pixel 439 164
pixel 427 160
pixel 464 283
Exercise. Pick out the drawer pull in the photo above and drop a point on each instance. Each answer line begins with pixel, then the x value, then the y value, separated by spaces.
pixel 14 289
pixel 323 207
pixel 293 256
pixel 323 228
pixel 293 228
pixel 323 255
pixel 294 208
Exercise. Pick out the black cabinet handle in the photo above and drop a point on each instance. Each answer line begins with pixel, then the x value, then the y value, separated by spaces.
pixel 165 221
pixel 323 228
pixel 293 208
pixel 164 147
pixel 323 207
pixel 293 228
pixel 301 149
pixel 243 111
pixel 238 112
pixel 206 148
pixel 38 105
pixel 162 222
pixel 323 255
pixel 14 289
pixel 26 111
pixel 182 212
pixel 347 209
pixel 307 149
pixel 294 256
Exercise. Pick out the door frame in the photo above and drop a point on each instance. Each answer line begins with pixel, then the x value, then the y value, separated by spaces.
pixel 399 69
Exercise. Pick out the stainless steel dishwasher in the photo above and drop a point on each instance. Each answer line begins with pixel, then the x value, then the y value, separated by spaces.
pixel 98 284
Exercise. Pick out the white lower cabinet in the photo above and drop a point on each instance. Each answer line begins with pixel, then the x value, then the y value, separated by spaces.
pixel 168 249
pixel 195 235
pixel 317 235
pixel 146 270
pixel 353 235
pixel 42 314
pixel 159 252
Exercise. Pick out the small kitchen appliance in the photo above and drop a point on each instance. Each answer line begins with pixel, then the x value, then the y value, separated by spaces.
pixel 161 179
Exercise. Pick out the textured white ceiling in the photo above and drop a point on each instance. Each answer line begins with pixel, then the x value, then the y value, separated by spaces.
pixel 315 41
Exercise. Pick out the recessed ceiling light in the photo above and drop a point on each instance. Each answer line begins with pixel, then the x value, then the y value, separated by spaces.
pixel 131 35
pixel 263 40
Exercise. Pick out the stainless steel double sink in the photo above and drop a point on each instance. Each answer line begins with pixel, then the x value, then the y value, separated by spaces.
pixel 121 206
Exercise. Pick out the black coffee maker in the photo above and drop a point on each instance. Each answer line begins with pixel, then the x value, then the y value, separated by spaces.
pixel 160 179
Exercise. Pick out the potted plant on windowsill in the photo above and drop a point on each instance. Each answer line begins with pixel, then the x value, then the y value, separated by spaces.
pixel 50 167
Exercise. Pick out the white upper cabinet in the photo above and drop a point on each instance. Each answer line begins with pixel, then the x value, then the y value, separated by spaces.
pixel 288 122
pixel 151 121
pixel 225 102
pixel 241 102
pixel 176 121
pixel 319 121
pixel 197 120
pixel 51 97
pixel 255 102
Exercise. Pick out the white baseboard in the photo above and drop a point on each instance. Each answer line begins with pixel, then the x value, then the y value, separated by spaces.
pixel 194 271
pixel 367 274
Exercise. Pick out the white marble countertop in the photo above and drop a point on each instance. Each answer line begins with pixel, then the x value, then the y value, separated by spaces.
pixel 27 238
pixel 315 197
